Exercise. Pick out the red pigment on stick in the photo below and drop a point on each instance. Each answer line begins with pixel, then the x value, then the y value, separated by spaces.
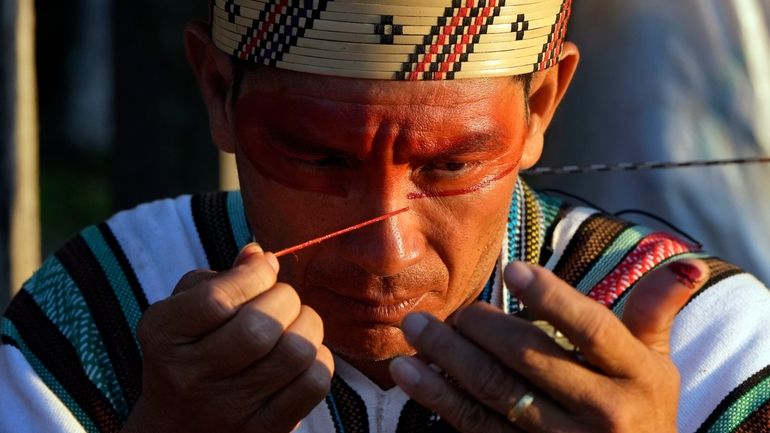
pixel 316 241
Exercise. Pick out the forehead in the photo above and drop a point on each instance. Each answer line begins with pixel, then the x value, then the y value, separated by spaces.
pixel 308 103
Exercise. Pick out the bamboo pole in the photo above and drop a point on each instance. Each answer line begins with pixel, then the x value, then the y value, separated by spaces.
pixel 25 210
pixel 228 172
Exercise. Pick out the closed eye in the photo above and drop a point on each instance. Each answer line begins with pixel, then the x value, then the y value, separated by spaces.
pixel 331 161
pixel 454 167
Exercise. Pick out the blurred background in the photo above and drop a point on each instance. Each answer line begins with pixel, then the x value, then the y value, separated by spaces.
pixel 120 118
pixel 121 122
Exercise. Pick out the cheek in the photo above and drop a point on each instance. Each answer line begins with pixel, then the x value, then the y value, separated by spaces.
pixel 468 237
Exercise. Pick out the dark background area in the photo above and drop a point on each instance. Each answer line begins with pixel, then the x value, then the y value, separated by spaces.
pixel 121 121
pixel 7 95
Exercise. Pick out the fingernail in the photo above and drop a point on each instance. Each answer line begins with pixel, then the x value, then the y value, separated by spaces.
pixel 413 325
pixel 247 251
pixel 404 372
pixel 518 277
pixel 686 273
pixel 273 261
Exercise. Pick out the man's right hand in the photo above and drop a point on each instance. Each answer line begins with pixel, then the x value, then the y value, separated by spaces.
pixel 231 352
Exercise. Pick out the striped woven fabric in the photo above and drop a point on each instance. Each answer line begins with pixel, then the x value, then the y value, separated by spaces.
pixel 394 39
pixel 70 361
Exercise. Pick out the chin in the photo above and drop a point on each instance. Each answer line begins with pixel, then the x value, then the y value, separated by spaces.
pixel 368 344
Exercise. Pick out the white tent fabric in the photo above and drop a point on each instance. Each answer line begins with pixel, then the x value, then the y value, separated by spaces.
pixel 660 81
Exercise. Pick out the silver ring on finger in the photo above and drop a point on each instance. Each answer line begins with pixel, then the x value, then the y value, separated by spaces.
pixel 521 405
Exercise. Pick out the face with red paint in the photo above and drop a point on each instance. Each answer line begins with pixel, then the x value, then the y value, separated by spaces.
pixel 316 154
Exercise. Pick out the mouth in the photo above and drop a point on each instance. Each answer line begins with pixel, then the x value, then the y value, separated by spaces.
pixel 389 311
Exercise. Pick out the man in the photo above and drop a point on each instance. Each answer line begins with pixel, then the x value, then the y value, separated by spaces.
pixel 323 341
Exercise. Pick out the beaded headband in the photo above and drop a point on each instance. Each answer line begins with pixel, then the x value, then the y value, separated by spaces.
pixel 394 39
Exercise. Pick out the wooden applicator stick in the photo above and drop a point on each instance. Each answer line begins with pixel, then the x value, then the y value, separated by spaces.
pixel 316 241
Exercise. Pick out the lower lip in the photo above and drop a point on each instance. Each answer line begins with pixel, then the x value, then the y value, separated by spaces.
pixel 391 314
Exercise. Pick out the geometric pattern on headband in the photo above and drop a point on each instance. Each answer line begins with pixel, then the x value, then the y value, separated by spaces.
pixel 394 39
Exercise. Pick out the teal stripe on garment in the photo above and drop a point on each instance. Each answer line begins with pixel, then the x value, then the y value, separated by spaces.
pixel 612 257
pixel 549 208
pixel 237 214
pixel 742 409
pixel 116 277
pixel 335 413
pixel 7 328
pixel 57 295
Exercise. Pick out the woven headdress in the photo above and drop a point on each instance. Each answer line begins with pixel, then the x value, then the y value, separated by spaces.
pixel 394 39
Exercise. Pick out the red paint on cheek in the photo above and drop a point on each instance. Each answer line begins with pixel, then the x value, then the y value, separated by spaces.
pixel 299 182
pixel 462 191
pixel 274 164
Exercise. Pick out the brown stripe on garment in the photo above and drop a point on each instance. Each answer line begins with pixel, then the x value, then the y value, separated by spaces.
pixel 59 357
pixel 116 334
pixel 213 225
pixel 587 246
pixel 758 422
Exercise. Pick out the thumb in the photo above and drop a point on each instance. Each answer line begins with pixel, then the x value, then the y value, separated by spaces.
pixel 659 296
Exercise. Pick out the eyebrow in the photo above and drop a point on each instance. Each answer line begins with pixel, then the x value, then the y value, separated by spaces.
pixel 474 142
pixel 291 143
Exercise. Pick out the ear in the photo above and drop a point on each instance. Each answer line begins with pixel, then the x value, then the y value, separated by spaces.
pixel 213 70
pixel 546 92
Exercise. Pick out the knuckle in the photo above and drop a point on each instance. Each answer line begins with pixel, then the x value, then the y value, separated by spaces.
pixel 190 279
pixel 289 296
pixel 261 332
pixel 262 275
pixel 472 418
pixel 595 330
pixel 435 339
pixel 145 328
pixel 299 351
pixel 149 331
pixel 317 380
pixel 216 303
pixel 494 384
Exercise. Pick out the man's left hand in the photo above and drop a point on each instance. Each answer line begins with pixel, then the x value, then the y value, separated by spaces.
pixel 508 375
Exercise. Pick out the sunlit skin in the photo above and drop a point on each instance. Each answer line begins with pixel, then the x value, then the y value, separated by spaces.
pixel 242 350
pixel 316 155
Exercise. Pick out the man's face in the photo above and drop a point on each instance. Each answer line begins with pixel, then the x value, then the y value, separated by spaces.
pixel 317 154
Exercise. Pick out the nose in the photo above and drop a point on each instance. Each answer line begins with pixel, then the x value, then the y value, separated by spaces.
pixel 388 247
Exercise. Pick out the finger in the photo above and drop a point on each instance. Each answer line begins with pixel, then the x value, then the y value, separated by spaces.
pixel 522 347
pixel 658 297
pixel 251 334
pixel 483 376
pixel 192 279
pixel 283 411
pixel 434 392
pixel 602 339
pixel 295 352
pixel 198 309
